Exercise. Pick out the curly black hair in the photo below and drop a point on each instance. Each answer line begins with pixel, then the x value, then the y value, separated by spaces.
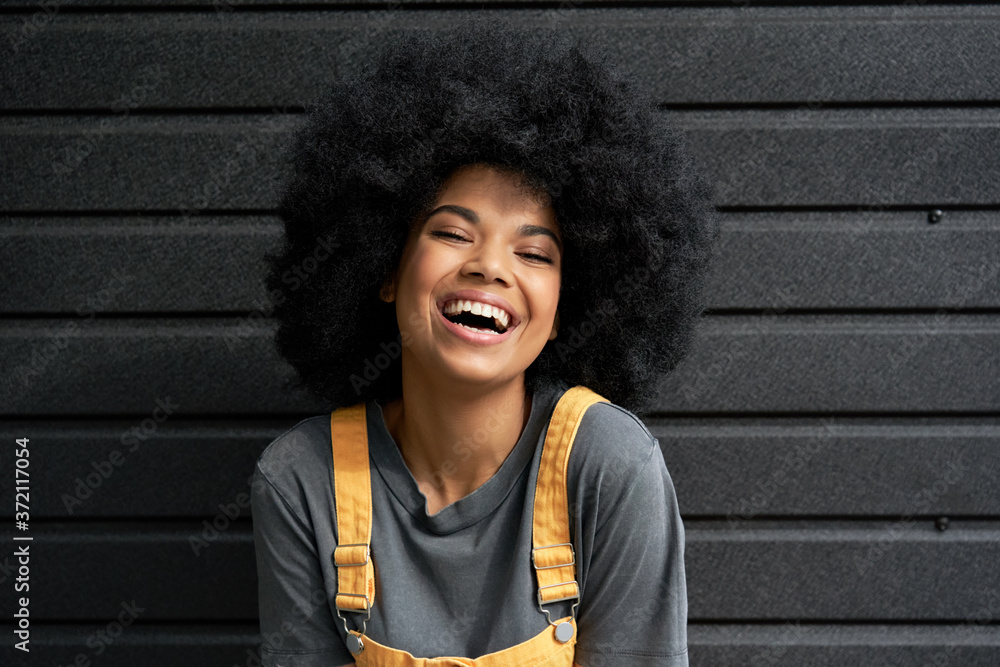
pixel 636 218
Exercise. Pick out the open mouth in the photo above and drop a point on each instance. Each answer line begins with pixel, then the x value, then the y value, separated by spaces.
pixel 478 317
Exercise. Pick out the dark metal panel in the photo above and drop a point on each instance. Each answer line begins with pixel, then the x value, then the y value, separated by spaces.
pixel 83 266
pixel 755 158
pixel 770 363
pixel 857 259
pixel 778 261
pixel 136 644
pixel 848 157
pixel 146 367
pixel 729 54
pixel 867 571
pixel 182 165
pixel 839 363
pixel 744 469
pixel 177 571
pixel 793 644
pixel 232 5
pixel 139 467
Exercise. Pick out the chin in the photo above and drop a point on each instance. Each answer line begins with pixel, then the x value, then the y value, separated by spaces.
pixel 481 377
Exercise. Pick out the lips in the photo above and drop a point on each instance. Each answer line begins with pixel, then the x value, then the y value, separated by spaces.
pixel 474 334
pixel 478 296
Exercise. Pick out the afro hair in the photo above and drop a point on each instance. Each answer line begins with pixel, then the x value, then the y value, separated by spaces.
pixel 636 218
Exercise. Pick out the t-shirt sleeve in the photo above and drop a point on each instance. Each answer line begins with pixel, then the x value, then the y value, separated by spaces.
pixel 297 626
pixel 635 607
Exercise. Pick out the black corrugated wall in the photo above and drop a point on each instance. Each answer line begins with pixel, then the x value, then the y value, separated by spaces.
pixel 833 435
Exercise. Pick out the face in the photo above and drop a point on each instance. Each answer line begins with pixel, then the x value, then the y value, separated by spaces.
pixel 477 287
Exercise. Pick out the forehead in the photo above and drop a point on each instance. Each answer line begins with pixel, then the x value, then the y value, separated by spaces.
pixel 478 187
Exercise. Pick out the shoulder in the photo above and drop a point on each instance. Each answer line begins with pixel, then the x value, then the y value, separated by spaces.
pixel 293 462
pixel 613 436
pixel 611 419
pixel 614 456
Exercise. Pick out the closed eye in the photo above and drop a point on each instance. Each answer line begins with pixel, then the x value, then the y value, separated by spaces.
pixel 536 258
pixel 448 235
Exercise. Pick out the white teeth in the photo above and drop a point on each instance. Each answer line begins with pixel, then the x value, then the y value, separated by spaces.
pixel 477 308
pixel 489 331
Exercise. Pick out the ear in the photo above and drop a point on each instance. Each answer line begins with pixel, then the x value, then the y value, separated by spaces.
pixel 555 326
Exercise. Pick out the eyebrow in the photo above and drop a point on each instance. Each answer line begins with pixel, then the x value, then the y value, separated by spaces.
pixel 473 217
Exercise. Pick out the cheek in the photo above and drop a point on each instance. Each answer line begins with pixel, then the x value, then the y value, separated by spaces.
pixel 547 297
pixel 411 274
pixel 420 273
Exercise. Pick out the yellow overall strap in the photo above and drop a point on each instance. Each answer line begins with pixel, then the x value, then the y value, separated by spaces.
pixel 553 556
pixel 352 487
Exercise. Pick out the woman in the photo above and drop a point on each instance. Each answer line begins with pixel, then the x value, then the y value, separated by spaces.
pixel 517 245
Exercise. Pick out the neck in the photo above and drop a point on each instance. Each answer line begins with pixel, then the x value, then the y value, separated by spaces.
pixel 454 438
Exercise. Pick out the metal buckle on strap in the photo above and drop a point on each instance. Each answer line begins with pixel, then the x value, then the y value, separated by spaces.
pixel 368 552
pixel 367 611
pixel 576 586
pixel 575 596
pixel 551 546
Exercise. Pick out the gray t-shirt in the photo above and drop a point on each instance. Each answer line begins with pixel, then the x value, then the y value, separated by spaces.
pixel 460 582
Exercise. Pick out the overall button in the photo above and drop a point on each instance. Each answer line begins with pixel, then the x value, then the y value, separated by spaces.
pixel 354 644
pixel 564 632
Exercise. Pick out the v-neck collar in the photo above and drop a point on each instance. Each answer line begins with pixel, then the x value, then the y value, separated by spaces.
pixel 388 460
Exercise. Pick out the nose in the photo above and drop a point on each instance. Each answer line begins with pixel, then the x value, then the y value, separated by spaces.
pixel 490 262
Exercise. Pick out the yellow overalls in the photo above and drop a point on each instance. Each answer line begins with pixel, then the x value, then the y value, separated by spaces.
pixel 552 556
